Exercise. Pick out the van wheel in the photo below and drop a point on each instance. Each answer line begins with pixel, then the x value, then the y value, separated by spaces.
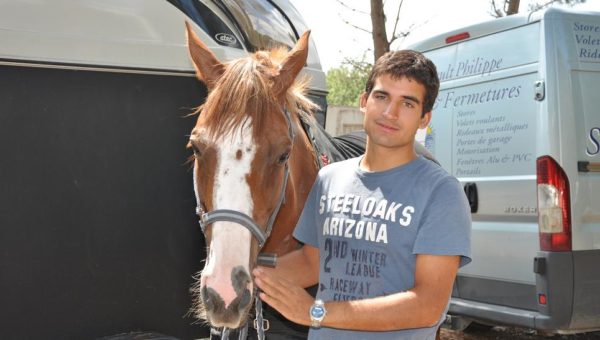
pixel 476 327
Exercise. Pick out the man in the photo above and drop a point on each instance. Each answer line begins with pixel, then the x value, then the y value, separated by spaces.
pixel 384 234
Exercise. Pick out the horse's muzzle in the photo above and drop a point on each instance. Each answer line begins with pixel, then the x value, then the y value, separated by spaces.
pixel 234 314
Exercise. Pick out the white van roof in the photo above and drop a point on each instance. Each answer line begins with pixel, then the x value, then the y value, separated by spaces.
pixel 486 28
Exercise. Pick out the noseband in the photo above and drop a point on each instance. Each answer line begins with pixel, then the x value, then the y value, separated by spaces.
pixel 207 218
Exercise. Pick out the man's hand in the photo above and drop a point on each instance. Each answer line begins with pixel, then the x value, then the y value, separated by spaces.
pixel 288 298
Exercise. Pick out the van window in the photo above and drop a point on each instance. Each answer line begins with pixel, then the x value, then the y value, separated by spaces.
pixel 259 23
pixel 208 21
pixel 263 24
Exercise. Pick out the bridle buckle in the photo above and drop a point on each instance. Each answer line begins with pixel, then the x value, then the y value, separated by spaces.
pixel 265 324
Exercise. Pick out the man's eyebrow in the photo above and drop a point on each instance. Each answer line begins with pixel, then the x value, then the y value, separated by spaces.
pixel 411 98
pixel 381 92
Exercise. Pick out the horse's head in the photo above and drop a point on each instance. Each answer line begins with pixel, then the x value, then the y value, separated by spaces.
pixel 242 143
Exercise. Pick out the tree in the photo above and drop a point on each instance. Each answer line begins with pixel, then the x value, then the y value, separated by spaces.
pixel 347 82
pixel 381 40
pixel 511 7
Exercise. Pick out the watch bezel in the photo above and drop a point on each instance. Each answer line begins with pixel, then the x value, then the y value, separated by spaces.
pixel 319 306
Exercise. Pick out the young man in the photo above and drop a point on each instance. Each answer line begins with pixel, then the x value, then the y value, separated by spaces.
pixel 384 234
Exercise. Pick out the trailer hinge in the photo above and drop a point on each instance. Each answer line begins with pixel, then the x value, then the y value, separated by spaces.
pixel 539 89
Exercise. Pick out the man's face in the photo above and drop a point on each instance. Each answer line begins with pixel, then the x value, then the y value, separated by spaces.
pixel 393 112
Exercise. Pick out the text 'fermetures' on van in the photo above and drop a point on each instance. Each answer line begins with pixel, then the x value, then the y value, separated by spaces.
pixel 517 120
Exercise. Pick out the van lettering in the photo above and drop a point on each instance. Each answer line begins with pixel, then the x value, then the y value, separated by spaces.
pixel 589 53
pixel 594 137
pixel 479 66
pixel 521 157
pixel 587 39
pixel 480 97
pixel 586 27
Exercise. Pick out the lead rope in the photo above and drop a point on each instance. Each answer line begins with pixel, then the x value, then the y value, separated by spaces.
pixel 243 333
pixel 259 322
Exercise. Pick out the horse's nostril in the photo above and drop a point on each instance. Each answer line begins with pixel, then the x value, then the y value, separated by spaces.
pixel 244 300
pixel 212 300
pixel 240 280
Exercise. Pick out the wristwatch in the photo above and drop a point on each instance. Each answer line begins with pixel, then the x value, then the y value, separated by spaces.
pixel 317 313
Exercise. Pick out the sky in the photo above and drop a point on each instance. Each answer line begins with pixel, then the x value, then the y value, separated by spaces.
pixel 337 40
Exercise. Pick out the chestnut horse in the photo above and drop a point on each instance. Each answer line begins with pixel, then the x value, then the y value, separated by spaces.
pixel 253 169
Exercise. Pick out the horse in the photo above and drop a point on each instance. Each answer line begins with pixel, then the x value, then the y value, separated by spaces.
pixel 254 163
pixel 248 158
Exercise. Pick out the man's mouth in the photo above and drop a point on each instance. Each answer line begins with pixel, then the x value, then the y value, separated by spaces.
pixel 387 127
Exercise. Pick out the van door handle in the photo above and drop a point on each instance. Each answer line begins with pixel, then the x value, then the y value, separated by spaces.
pixel 471 192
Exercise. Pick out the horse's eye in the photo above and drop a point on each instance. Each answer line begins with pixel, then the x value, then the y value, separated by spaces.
pixel 196 150
pixel 283 158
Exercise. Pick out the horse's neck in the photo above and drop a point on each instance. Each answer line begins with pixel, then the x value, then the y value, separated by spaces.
pixel 333 149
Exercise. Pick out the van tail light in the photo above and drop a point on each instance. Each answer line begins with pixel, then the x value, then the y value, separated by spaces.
pixel 554 206
pixel 457 37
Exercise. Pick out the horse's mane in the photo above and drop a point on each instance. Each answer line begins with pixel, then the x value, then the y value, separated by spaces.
pixel 244 92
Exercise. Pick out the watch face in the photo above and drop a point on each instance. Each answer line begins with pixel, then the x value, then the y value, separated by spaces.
pixel 317 312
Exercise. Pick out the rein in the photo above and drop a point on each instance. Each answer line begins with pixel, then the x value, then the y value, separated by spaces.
pixel 265 259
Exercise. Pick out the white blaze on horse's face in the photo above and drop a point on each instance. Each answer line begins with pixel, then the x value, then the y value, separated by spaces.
pixel 230 242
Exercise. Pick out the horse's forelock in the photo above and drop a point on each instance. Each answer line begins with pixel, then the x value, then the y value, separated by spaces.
pixel 244 94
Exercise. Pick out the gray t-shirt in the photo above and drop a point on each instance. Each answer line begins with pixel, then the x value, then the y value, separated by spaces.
pixel 369 227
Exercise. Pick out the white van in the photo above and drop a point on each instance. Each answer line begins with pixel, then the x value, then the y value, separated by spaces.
pixel 98 234
pixel 517 121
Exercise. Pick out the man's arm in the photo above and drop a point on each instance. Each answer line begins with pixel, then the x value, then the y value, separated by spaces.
pixel 418 307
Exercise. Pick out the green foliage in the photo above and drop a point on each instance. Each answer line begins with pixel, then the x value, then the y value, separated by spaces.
pixel 347 82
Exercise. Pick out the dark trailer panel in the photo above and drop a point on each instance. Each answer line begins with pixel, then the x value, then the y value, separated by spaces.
pixel 98 234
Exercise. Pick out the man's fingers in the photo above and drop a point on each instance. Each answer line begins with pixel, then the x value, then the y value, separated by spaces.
pixel 268 282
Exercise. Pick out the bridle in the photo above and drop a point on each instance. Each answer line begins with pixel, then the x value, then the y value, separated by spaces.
pixel 265 259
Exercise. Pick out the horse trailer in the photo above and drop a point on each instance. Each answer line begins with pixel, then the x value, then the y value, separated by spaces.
pixel 517 121
pixel 98 232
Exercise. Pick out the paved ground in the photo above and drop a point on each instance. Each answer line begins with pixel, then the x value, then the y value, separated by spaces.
pixel 511 333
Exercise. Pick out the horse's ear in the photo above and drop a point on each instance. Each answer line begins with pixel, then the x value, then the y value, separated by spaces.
pixel 208 68
pixel 291 65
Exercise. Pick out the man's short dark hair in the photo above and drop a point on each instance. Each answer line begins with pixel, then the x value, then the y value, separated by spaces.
pixel 410 64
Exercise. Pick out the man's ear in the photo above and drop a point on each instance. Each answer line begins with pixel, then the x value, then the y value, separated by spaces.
pixel 363 102
pixel 425 119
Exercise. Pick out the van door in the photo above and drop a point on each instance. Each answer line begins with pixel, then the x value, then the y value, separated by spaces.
pixel 483 131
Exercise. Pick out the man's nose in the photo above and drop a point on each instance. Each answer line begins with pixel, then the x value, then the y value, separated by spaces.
pixel 392 111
